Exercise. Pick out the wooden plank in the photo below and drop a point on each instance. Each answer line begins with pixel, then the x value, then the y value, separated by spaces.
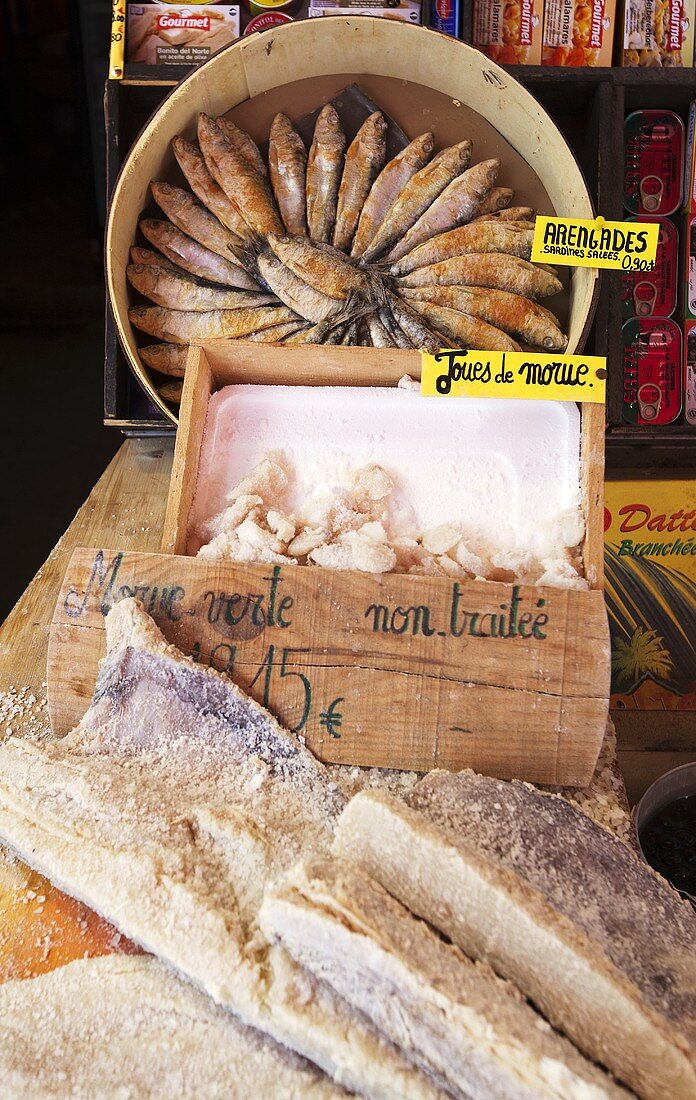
pixel 198 384
pixel 309 365
pixel 423 671
pixel 592 492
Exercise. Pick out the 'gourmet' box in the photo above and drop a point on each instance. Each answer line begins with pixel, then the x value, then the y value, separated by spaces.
pixel 179 34
pixel 510 34
pixel 578 32
pixel 658 33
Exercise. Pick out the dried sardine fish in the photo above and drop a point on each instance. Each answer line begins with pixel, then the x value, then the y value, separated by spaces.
pixel 324 268
pixel 172 391
pixel 243 143
pixel 489 269
pixel 191 217
pixel 363 162
pixel 185 252
pixel 150 258
pixel 493 236
pixel 175 290
pixel 324 168
pixel 457 204
pixel 497 199
pixel 244 185
pixel 510 312
pixel 192 164
pixel 275 334
pixel 287 161
pixel 510 213
pixel 465 330
pixel 186 327
pixel 379 334
pixel 415 328
pixel 387 188
pixel 395 331
pixel 294 291
pixel 417 195
pixel 344 241
pixel 165 358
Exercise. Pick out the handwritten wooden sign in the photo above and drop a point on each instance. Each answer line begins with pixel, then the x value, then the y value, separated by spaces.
pixel 395 671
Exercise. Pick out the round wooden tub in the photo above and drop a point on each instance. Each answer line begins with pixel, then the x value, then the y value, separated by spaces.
pixel 423 79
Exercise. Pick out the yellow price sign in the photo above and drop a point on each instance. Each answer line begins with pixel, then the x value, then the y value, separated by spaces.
pixel 118 23
pixel 517 374
pixel 594 242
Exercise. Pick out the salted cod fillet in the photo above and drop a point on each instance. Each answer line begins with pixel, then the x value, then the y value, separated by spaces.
pixel 453 1017
pixel 526 882
pixel 124 1026
pixel 168 809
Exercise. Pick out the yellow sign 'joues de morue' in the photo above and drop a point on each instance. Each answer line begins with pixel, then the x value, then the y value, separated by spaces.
pixel 518 374
pixel 594 242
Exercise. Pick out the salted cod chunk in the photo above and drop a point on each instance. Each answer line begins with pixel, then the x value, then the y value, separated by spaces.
pixel 528 883
pixel 122 1027
pixel 453 1017
pixel 168 809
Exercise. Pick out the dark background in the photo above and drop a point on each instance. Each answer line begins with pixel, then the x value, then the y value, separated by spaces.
pixel 53 445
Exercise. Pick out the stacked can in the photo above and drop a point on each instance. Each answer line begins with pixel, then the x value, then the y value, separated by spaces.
pixel 653 367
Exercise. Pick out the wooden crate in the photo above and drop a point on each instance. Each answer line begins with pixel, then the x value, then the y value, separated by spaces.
pixel 373 670
pixel 258 66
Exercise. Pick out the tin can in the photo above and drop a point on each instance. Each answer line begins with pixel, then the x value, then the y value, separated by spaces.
pixel 260 7
pixel 654 293
pixel 654 162
pixel 446 16
pixel 690 373
pixel 652 370
pixel 267 21
pixel 689 268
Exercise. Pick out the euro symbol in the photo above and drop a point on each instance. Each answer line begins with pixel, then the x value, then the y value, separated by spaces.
pixel 330 719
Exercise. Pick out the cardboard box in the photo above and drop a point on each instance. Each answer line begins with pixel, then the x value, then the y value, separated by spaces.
pixel 509 32
pixel 179 34
pixel 658 33
pixel 578 32
pixel 405 11
pixel 650 588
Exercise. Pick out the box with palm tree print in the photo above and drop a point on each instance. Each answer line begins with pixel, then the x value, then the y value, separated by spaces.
pixel 650 587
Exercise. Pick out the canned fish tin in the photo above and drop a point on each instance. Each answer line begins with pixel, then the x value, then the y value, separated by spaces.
pixel 267 21
pixel 690 373
pixel 689 269
pixel 445 16
pixel 652 370
pixel 654 293
pixel 654 162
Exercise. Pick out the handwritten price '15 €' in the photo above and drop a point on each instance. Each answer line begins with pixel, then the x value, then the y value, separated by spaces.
pixel 516 374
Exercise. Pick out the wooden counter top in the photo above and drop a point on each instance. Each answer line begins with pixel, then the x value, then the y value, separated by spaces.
pixel 41 928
